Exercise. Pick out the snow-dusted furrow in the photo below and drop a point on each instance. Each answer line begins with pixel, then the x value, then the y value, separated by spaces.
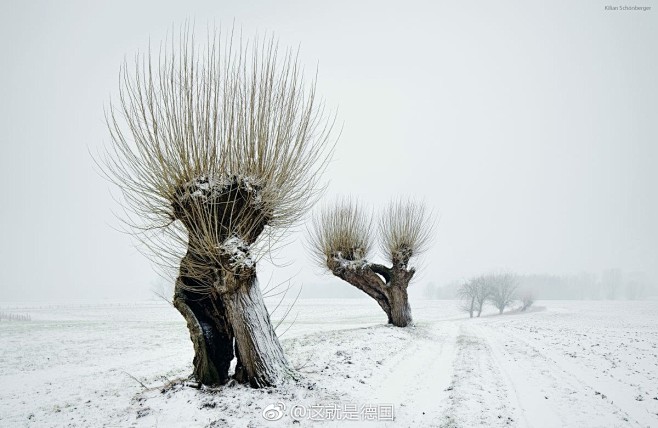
pixel 551 394
pixel 478 394
pixel 568 364
pixel 618 386
pixel 417 384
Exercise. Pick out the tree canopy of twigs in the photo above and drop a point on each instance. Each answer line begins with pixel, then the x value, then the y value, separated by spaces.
pixel 342 229
pixel 467 293
pixel 341 239
pixel 503 290
pixel 405 230
pixel 219 147
pixel 475 293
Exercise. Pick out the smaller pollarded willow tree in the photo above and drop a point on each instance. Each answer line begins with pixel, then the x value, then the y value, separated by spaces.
pixel 218 150
pixel 342 240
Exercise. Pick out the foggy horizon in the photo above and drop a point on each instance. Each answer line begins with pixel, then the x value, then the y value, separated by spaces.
pixel 530 129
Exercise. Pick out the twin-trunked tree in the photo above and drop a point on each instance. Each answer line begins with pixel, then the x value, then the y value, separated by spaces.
pixel 342 238
pixel 217 152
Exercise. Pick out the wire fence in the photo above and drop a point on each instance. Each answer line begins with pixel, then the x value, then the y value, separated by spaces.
pixel 4 316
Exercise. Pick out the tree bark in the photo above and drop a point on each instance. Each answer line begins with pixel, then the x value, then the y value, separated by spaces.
pixel 400 309
pixel 365 279
pixel 261 359
pixel 398 296
pixel 240 374
pixel 388 286
pixel 210 334
pixel 217 291
pixel 233 318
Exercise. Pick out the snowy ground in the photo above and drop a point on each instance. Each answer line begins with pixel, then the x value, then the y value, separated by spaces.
pixel 562 364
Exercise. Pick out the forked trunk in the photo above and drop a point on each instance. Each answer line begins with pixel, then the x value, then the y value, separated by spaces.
pixel 367 280
pixel 212 340
pixel 261 358
pixel 217 291
pixel 388 286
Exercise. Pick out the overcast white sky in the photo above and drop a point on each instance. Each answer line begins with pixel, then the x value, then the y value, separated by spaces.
pixel 530 126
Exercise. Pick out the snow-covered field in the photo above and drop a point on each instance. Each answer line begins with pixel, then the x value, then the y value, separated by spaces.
pixel 576 364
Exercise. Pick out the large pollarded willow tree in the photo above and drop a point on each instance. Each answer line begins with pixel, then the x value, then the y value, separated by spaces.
pixel 342 239
pixel 217 151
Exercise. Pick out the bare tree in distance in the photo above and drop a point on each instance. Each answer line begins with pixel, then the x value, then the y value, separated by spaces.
pixel 467 293
pixel 503 290
pixel 218 151
pixel 527 298
pixel 482 292
pixel 475 293
pixel 342 240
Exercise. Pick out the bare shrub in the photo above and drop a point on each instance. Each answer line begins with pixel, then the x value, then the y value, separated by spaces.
pixel 527 299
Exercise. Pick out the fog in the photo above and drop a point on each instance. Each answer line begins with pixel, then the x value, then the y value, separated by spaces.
pixel 531 128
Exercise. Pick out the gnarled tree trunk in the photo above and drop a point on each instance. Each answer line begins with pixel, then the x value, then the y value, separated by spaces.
pixel 365 279
pixel 209 330
pixel 229 319
pixel 261 358
pixel 400 309
pixel 397 292
pixel 388 286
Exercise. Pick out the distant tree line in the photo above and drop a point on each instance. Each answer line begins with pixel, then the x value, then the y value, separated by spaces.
pixel 611 284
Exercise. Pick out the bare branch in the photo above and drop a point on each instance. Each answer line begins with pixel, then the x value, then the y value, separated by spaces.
pixel 220 147
pixel 342 230
pixel 406 230
pixel 502 289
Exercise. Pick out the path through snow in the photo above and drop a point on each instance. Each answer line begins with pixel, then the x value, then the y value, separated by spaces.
pixel 575 364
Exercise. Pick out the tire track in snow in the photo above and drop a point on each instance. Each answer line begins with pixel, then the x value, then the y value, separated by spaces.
pixel 550 394
pixel 478 393
pixel 417 401
pixel 529 397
